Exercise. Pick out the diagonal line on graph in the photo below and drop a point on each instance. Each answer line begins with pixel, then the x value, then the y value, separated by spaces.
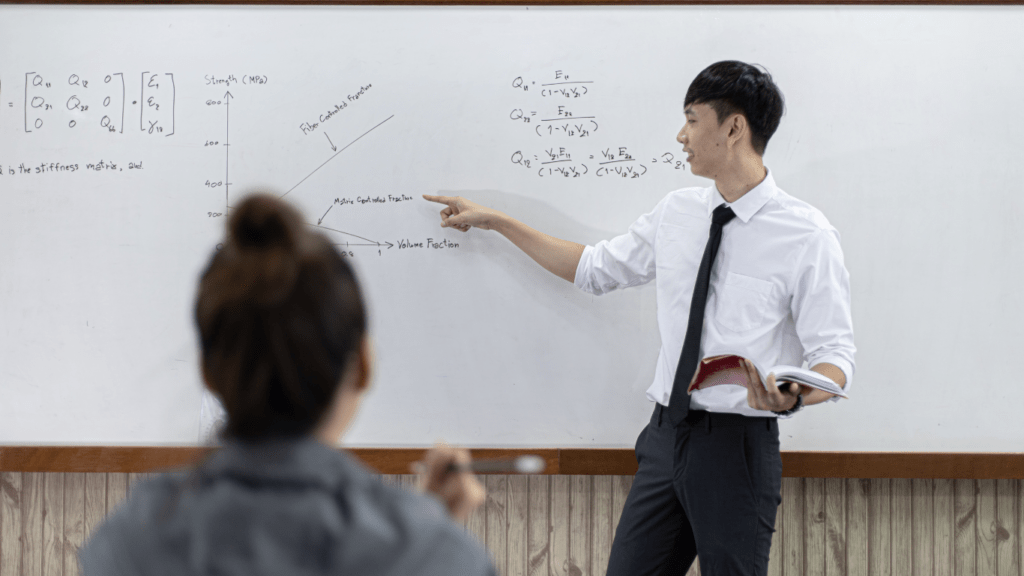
pixel 341 232
pixel 335 154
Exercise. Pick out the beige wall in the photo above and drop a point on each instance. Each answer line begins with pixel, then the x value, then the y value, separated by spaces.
pixel 563 525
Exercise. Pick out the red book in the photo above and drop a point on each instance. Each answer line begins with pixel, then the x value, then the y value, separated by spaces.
pixel 718 370
pixel 729 369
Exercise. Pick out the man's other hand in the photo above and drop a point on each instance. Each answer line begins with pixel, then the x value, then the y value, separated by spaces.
pixel 772 397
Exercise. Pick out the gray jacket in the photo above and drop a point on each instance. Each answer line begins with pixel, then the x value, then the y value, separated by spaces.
pixel 291 507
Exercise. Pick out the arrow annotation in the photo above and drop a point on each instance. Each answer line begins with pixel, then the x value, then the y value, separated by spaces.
pixel 369 242
pixel 336 155
pixel 318 222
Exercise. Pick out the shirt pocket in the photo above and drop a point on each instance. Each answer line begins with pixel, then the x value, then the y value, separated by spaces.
pixel 743 302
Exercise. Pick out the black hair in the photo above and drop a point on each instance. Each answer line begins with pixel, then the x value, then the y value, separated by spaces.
pixel 731 87
pixel 280 316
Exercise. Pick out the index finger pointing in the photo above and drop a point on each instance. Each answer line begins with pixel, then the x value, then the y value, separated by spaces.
pixel 439 199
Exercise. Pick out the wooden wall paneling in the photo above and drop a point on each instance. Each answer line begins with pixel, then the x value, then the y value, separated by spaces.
pixel 965 535
pixel 857 532
pixel 117 490
pixel 497 525
pixel 579 525
pixel 775 554
pixel 560 488
pixel 793 563
pixel 95 501
pixel 538 529
pixel 814 525
pixel 74 521
pixel 943 529
pixel 922 537
pixel 53 524
pixel 564 525
pixel 880 527
pixel 901 508
pixel 1020 527
pixel 601 520
pixel 10 523
pixel 835 527
pixel 476 524
pixel 986 540
pixel 518 514
pixel 620 491
pixel 33 486
pixel 1007 529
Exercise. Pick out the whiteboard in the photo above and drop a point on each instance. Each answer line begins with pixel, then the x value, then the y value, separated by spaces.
pixel 126 132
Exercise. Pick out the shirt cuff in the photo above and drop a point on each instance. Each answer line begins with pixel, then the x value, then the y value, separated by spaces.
pixel 841 363
pixel 583 269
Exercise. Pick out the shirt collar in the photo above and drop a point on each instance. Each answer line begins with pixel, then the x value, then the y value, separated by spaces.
pixel 296 461
pixel 749 203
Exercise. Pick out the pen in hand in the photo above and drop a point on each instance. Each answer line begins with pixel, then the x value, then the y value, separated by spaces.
pixel 529 464
pixel 439 476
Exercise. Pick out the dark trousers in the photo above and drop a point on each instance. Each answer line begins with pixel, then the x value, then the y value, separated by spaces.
pixel 709 488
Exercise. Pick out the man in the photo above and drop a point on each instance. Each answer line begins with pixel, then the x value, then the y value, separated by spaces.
pixel 741 268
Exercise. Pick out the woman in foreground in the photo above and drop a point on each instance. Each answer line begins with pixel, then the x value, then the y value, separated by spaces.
pixel 282 328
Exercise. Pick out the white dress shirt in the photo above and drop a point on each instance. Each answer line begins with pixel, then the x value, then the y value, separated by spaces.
pixel 779 294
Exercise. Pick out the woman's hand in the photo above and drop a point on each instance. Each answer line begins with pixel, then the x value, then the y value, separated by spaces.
pixel 445 473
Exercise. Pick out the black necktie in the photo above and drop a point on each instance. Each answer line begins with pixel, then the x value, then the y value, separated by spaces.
pixel 679 401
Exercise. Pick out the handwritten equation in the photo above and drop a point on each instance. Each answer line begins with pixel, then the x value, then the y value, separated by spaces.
pixel 158 103
pixel 74 102
pixel 562 107
pixel 554 116
pixel 79 102
pixel 615 162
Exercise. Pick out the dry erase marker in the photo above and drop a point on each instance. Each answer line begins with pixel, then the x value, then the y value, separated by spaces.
pixel 520 465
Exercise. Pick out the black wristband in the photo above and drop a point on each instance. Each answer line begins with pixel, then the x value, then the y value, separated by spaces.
pixel 794 409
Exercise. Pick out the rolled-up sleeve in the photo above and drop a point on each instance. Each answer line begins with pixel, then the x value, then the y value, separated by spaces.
pixel 623 261
pixel 821 305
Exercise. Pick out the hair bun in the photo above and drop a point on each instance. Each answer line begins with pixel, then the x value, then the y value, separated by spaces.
pixel 263 251
pixel 264 222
